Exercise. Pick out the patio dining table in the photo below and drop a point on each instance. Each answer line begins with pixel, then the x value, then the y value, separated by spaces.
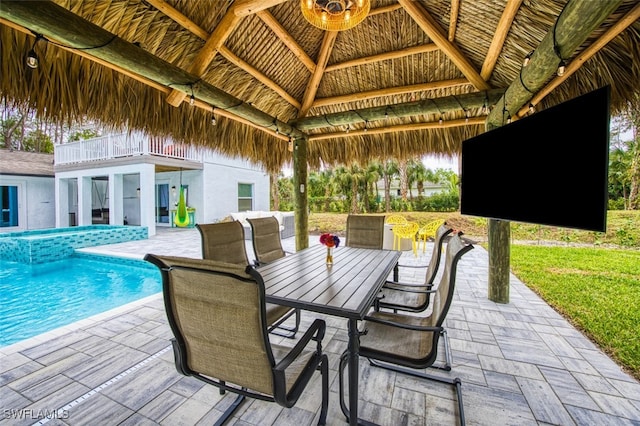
pixel 345 289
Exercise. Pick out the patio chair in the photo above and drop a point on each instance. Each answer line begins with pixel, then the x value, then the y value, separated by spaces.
pixel 217 314
pixel 407 343
pixel 400 296
pixel 224 242
pixel 365 231
pixel 395 219
pixel 267 247
pixel 406 231
pixel 428 231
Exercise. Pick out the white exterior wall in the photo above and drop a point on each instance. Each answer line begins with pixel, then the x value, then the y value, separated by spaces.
pixel 36 201
pixel 221 177
pixel 123 198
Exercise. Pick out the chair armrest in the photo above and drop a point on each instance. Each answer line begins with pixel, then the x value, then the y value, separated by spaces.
pixel 413 289
pixel 409 288
pixel 314 332
pixel 403 325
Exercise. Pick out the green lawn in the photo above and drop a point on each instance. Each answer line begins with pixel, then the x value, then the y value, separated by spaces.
pixel 597 289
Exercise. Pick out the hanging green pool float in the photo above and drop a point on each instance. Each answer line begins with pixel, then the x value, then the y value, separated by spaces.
pixel 182 218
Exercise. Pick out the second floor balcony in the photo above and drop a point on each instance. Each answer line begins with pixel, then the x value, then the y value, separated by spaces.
pixel 122 145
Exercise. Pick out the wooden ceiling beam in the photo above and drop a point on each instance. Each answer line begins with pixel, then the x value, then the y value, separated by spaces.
pixel 150 83
pixel 286 38
pixel 178 17
pixel 500 35
pixel 469 101
pixel 453 19
pixel 627 20
pixel 384 9
pixel 389 91
pixel 573 26
pixel 400 128
pixel 223 50
pixel 433 30
pixel 57 23
pixel 424 48
pixel 314 82
pixel 217 38
pixel 249 7
pixel 240 63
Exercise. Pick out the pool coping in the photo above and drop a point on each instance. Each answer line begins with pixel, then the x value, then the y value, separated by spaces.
pixel 77 325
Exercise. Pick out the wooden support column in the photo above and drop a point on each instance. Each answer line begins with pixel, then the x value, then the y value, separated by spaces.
pixel 499 260
pixel 300 193
pixel 576 22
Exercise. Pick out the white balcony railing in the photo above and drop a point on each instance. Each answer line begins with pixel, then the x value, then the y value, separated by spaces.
pixel 122 145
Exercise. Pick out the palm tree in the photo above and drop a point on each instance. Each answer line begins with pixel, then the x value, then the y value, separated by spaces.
pixel 389 170
pixel 402 174
pixel 372 173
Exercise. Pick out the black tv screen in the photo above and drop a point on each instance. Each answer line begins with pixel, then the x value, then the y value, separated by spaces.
pixel 549 168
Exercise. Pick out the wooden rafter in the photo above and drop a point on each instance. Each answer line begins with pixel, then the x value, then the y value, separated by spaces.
pixel 161 88
pixel 632 16
pixel 576 23
pixel 414 50
pixel 400 128
pixel 314 82
pixel 286 38
pixel 208 51
pixel 56 22
pixel 390 91
pixel 453 19
pixel 433 30
pixel 240 63
pixel 250 7
pixel 467 102
pixel 500 35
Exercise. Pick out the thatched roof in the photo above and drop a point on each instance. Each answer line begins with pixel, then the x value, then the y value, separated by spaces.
pixel 265 70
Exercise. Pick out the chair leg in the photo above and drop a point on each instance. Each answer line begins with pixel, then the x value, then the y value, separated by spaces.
pixel 324 372
pixel 229 411
pixel 454 382
pixel 286 331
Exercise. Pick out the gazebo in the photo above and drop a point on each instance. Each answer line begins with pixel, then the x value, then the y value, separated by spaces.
pixel 289 82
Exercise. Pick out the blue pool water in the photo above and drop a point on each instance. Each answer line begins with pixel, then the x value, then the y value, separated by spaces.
pixel 40 297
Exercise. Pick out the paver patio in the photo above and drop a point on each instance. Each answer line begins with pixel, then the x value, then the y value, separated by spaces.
pixel 520 363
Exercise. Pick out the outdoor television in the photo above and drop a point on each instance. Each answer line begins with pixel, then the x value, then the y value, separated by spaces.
pixel 549 168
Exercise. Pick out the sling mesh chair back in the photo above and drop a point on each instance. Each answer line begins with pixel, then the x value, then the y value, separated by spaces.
pixel 267 245
pixel 224 242
pixel 365 231
pixel 407 343
pixel 415 297
pixel 217 314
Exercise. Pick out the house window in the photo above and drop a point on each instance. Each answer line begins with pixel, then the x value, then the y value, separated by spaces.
pixel 245 197
pixel 9 204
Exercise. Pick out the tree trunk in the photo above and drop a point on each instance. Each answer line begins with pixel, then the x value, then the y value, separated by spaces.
pixel 387 193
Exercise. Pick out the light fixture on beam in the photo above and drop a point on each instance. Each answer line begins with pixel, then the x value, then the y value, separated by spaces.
pixel 335 15
pixel 32 57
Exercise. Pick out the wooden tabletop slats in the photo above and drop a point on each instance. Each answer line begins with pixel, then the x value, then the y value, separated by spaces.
pixel 347 288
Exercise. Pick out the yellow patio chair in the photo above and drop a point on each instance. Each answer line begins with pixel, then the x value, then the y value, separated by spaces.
pixel 395 219
pixel 428 231
pixel 406 230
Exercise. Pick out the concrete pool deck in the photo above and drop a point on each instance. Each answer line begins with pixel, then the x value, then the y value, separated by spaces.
pixel 520 363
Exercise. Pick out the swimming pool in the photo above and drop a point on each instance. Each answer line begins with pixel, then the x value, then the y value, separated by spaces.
pixel 38 298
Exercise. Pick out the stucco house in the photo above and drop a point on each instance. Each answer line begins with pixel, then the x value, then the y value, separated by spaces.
pixel 133 179
pixel 26 190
